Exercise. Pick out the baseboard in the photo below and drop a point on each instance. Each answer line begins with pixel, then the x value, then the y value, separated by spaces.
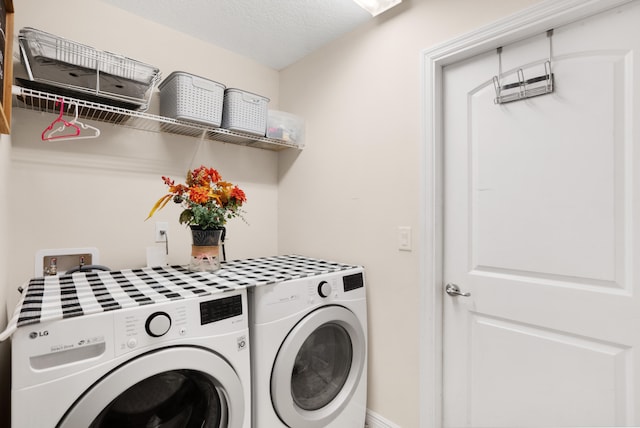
pixel 374 420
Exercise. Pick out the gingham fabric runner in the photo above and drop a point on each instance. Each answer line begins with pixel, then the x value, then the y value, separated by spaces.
pixel 85 293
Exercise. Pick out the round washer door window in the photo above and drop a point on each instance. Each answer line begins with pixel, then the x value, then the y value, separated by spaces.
pixel 166 388
pixel 177 398
pixel 318 367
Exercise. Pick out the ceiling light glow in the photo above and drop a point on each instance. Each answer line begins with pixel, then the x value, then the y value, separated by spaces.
pixel 376 7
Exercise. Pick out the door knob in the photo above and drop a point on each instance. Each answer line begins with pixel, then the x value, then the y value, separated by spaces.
pixel 454 290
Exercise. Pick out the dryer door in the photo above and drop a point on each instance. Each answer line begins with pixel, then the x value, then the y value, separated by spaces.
pixel 318 367
pixel 170 387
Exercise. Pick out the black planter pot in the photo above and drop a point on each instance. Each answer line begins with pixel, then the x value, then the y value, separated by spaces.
pixel 205 251
pixel 206 237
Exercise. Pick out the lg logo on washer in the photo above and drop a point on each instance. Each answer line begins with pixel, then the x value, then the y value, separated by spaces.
pixel 36 334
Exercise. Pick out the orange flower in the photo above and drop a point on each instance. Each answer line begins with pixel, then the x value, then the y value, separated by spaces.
pixel 238 194
pixel 178 189
pixel 199 195
pixel 214 175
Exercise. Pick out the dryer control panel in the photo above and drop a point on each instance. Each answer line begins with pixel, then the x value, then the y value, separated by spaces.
pixel 353 282
pixel 324 289
pixel 300 295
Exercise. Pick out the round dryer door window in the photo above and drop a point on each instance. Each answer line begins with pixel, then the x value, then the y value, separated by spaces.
pixel 321 367
pixel 318 367
pixel 167 388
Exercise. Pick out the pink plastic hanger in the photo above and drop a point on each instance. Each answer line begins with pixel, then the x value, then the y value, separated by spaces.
pixel 86 131
pixel 71 130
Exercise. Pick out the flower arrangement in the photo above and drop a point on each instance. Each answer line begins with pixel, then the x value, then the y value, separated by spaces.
pixel 208 201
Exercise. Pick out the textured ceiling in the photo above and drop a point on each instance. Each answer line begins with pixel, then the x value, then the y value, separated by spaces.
pixel 275 33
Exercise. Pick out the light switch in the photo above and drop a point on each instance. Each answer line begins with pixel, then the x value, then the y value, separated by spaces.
pixel 404 238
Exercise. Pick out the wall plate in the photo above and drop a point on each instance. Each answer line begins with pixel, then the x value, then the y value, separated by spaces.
pixel 66 258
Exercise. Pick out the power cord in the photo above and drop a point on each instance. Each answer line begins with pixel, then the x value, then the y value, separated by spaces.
pixel 166 240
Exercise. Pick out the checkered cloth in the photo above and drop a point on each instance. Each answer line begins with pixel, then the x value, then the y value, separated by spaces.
pixel 84 293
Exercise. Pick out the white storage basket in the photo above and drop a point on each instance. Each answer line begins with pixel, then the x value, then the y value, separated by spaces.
pixel 244 112
pixel 191 98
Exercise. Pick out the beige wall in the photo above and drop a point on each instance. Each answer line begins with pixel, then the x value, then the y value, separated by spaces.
pixel 342 198
pixel 98 192
pixel 357 180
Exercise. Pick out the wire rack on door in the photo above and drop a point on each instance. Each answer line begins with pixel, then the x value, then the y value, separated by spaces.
pixel 31 99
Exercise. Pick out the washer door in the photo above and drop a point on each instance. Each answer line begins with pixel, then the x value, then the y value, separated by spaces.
pixel 170 387
pixel 318 367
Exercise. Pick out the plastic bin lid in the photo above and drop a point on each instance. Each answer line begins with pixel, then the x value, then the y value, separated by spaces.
pixel 246 92
pixel 174 74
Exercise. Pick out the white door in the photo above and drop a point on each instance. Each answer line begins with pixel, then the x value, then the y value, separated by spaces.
pixel 542 228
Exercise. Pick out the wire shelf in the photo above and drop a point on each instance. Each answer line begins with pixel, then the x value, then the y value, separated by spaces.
pixel 31 99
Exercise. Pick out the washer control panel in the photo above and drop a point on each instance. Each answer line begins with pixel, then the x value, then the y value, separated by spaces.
pixel 161 323
pixel 158 324
pixel 220 309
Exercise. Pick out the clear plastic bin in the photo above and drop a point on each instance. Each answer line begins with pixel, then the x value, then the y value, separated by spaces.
pixel 286 127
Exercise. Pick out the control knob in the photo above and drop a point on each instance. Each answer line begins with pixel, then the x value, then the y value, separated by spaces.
pixel 324 289
pixel 158 324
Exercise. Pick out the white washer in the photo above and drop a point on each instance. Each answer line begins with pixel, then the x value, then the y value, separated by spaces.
pixel 167 364
pixel 309 352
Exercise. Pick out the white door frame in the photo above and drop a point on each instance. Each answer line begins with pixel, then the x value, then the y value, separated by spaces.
pixel 529 22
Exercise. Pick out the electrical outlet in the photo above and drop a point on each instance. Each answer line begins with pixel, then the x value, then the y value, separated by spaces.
pixel 162 228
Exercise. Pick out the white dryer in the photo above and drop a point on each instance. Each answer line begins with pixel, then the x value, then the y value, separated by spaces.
pixel 179 362
pixel 309 351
